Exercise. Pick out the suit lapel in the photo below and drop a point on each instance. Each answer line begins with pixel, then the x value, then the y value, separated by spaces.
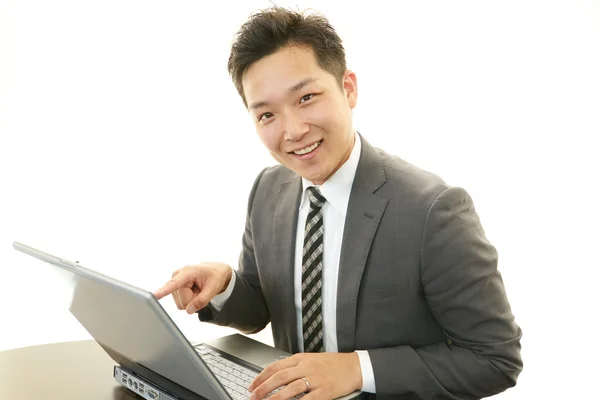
pixel 364 213
pixel 284 235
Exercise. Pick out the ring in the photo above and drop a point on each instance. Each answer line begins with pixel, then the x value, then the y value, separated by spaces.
pixel 307 384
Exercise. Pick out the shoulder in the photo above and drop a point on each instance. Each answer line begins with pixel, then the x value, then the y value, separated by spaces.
pixel 269 183
pixel 271 179
pixel 423 193
pixel 402 179
pixel 400 171
pixel 277 174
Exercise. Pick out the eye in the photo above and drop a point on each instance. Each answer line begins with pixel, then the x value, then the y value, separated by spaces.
pixel 264 116
pixel 306 98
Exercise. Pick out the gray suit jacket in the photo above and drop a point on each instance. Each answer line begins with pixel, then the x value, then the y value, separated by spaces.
pixel 418 281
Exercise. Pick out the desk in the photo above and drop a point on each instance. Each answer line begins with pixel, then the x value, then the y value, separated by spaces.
pixel 71 370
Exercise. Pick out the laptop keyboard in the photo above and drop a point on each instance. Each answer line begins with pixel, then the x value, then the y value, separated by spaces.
pixel 235 378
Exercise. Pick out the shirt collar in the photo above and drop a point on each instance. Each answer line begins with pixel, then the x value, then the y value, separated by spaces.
pixel 337 188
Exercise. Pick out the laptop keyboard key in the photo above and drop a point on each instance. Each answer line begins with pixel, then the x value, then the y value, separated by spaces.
pixel 235 378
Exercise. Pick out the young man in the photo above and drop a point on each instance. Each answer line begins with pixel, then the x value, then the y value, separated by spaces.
pixel 376 273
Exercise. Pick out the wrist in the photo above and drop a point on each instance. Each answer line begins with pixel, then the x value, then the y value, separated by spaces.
pixel 229 273
pixel 356 371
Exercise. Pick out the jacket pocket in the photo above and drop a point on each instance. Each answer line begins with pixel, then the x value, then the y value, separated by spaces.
pixel 375 293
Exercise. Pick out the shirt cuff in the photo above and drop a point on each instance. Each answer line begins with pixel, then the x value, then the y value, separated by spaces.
pixel 219 300
pixel 367 371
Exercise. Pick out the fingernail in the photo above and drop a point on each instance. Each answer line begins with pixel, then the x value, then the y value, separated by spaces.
pixel 190 309
pixel 253 397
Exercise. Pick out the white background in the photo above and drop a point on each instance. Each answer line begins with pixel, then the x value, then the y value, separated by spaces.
pixel 124 145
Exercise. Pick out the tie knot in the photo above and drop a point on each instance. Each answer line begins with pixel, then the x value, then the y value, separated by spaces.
pixel 316 198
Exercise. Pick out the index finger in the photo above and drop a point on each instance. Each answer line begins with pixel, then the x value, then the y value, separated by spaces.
pixel 175 283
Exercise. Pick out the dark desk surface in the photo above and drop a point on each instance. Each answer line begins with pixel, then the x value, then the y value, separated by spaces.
pixel 72 370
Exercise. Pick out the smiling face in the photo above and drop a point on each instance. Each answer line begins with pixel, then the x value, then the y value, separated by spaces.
pixel 300 112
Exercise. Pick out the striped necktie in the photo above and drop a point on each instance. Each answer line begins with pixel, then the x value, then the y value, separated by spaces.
pixel 312 266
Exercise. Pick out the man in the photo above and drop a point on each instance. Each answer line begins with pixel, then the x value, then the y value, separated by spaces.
pixel 376 273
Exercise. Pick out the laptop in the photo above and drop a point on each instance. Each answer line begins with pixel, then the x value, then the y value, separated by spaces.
pixel 153 358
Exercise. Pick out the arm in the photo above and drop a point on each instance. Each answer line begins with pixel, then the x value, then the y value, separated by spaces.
pixel 465 293
pixel 245 309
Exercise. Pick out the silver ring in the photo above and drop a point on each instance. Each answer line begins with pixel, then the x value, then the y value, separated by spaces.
pixel 307 385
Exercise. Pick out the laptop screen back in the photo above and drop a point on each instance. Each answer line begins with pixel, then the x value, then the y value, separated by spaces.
pixel 131 322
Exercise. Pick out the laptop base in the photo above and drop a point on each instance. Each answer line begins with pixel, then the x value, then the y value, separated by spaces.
pixel 139 385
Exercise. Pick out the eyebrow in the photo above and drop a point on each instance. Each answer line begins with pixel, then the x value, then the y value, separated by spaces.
pixel 291 90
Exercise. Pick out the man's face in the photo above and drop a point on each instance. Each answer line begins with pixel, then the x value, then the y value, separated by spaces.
pixel 301 114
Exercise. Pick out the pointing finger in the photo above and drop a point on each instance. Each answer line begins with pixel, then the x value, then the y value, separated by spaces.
pixel 175 283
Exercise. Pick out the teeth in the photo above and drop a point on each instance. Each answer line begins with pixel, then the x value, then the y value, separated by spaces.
pixel 307 149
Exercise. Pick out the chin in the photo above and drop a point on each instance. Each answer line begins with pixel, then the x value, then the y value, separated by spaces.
pixel 317 180
pixel 310 174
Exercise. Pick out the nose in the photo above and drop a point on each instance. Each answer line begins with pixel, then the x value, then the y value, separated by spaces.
pixel 294 127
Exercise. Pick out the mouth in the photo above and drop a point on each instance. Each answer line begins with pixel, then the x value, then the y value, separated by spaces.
pixel 307 149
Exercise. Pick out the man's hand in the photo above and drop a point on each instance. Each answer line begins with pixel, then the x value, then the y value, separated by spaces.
pixel 194 286
pixel 329 375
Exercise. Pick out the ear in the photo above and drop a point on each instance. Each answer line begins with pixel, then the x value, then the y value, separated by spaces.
pixel 350 88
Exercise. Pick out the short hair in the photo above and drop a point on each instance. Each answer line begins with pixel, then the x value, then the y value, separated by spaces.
pixel 275 28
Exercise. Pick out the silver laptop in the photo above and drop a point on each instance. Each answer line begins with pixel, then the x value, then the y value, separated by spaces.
pixel 154 359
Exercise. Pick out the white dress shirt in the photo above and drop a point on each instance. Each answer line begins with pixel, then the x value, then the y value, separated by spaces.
pixel 337 192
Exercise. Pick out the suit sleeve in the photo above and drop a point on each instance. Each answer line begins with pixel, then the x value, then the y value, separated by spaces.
pixel 465 293
pixel 246 309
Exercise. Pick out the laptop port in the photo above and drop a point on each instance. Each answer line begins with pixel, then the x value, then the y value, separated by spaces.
pixel 152 394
